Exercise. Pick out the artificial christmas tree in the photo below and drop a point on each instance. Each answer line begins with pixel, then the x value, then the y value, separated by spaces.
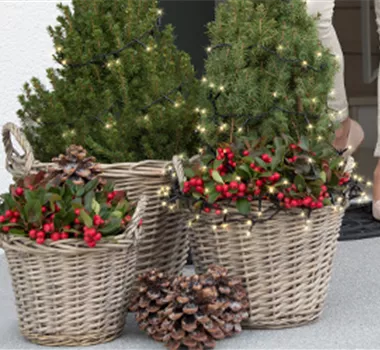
pixel 123 90
pixel 268 182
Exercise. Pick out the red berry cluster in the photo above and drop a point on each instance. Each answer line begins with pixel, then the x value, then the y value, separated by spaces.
pixel 233 190
pixel 11 217
pixel 228 157
pixel 344 180
pixel 308 202
pixel 195 183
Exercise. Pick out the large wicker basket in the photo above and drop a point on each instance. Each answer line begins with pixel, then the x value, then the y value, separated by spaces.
pixel 285 263
pixel 164 242
pixel 68 294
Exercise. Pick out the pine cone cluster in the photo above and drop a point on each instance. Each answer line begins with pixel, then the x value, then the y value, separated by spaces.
pixel 75 165
pixel 192 311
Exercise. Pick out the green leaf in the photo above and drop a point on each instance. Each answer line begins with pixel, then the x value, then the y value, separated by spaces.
pixel 216 176
pixel 95 206
pixel 18 232
pixel 322 176
pixel 278 158
pixel 86 218
pixel 117 214
pixel 300 182
pixel 212 197
pixel 112 227
pixel 260 162
pixel 278 142
pixel 245 171
pixel 304 143
pixel 243 206
pixel 91 185
pixel 217 163
pixel 189 173
pixel 88 200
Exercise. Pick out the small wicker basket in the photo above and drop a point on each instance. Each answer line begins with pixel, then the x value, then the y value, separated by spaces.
pixel 68 294
pixel 285 264
pixel 164 242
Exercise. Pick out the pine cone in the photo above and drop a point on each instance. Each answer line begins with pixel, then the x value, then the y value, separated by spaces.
pixel 75 165
pixel 201 309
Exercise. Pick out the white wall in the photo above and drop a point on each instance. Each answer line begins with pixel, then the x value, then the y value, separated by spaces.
pixel 25 51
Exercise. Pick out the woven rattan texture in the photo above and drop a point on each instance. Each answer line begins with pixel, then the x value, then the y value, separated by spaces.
pixel 164 242
pixel 68 294
pixel 285 267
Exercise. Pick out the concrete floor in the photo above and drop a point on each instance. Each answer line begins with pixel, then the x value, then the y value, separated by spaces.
pixel 351 319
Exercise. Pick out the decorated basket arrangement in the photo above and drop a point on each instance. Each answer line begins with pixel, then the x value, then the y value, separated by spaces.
pixel 71 251
pixel 268 188
pixel 164 241
pixel 127 95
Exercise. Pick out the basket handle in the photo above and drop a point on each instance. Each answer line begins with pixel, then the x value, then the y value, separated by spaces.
pixel 135 228
pixel 16 164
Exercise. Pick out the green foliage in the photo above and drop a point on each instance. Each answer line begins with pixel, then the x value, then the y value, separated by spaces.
pixel 267 72
pixel 101 105
pixel 63 212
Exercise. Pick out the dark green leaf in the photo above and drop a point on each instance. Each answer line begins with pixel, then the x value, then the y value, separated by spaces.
pixel 189 173
pixel 300 182
pixel 217 163
pixel 243 206
pixel 304 143
pixel 112 227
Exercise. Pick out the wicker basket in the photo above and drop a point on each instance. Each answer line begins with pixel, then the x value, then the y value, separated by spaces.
pixel 284 263
pixel 164 242
pixel 68 294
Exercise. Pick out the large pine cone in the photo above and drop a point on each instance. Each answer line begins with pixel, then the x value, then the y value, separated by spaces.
pixel 195 311
pixel 75 165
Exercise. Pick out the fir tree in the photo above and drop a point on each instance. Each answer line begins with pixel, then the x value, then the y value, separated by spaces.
pixel 123 90
pixel 267 73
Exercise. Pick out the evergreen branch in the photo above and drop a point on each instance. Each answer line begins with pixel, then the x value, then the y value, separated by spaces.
pixel 100 58
pixel 163 97
pixel 273 52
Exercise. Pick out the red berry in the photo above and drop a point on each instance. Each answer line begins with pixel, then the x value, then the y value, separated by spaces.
pixel 265 157
pixel 128 218
pixel 13 220
pixel 98 237
pixel 324 188
pixel 77 211
pixel 242 187
pixel 245 153
pixel 6 228
pixel 290 160
pixel 46 228
pixel 259 183
pixel 19 191
pixel 91 232
pixel 280 196
pixel 55 236
pixel 40 234
pixel 276 176
pixel 200 189
pixel 110 196
pixel 293 202
pixel 295 158
pixel 228 194
pixel 257 192
pixel 64 235
pixel 252 166
pixel 326 195
pixel 227 150
pixel 321 198
pixel 33 234
pixel 8 214
pixel 293 146
pixel 241 194
pixel 218 212
pixel 199 182
pixel 76 221
pixel 2 218
pixel 307 201
pixel 16 214
pixel 57 208
pixel 219 157
pixel 91 244
pixel 40 240
pixel 220 150
pixel 193 181
pixel 219 188
pixel 67 227
pixel 226 188
pixel 207 210
pixel 43 209
pixel 250 198
pixel 234 185
pixel 319 205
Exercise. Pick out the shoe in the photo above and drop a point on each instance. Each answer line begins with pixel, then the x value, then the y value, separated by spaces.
pixel 355 138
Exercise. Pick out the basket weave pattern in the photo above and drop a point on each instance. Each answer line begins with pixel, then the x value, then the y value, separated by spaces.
pixel 285 268
pixel 68 294
pixel 164 242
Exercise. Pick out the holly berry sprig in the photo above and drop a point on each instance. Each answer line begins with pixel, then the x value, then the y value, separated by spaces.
pixel 69 211
pixel 291 175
